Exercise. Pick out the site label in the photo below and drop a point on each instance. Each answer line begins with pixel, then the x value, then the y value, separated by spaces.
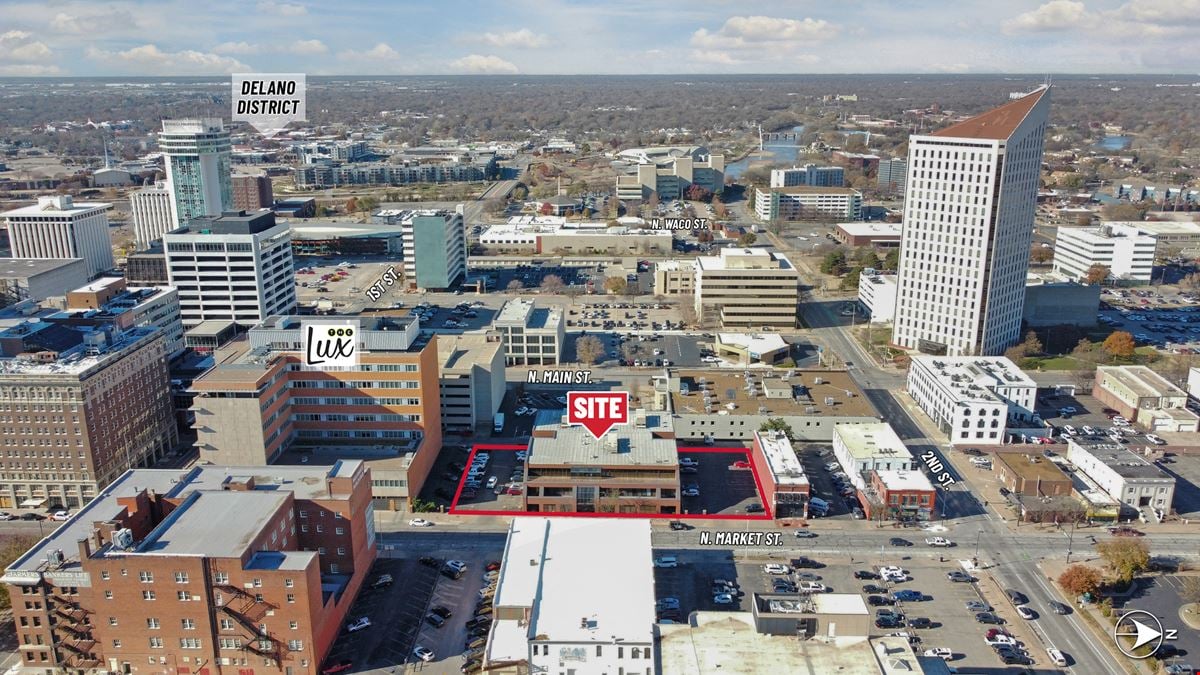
pixel 679 223
pixel 269 101
pixel 598 411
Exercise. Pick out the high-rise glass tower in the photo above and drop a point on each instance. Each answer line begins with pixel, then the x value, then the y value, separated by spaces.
pixel 198 167
pixel 968 226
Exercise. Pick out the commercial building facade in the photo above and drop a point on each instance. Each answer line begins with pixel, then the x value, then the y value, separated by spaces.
pixel 137 582
pixel 1126 477
pixel 108 395
pixel 153 215
pixel 265 400
pixel 236 267
pixel 631 469
pixel 747 288
pixel 564 602
pixel 863 448
pixel 197 154
pixel 1145 397
pixel 57 227
pixel 109 299
pixel 1128 254
pixel 533 336
pixel 892 175
pixel 251 193
pixel 435 249
pixel 675 277
pixel 868 234
pixel 1030 474
pixel 472 379
pixel 877 294
pixel 809 174
pixel 39 278
pixel 968 224
pixel 668 172
pixel 904 494
pixel 313 176
pixel 805 202
pixel 972 399
pixel 785 485
pixel 555 235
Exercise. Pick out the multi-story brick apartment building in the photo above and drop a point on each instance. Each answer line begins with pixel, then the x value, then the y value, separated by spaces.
pixel 262 400
pixel 136 582
pixel 79 405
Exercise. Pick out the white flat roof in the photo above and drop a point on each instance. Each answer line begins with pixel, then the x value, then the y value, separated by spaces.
pixel 868 441
pixel 839 603
pixel 756 343
pixel 904 480
pixel 566 570
pixel 974 378
pixel 782 461
pixel 744 258
pixel 864 229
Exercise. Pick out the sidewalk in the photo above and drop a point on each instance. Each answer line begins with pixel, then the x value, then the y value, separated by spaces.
pixel 1099 625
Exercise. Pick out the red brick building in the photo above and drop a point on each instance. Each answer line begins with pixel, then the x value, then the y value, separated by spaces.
pixel 898 495
pixel 251 193
pixel 785 486
pixel 217 570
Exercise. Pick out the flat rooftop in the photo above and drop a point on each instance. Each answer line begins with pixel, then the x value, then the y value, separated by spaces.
pixel 1118 458
pixel 622 446
pixel 782 461
pixel 74 359
pixel 189 529
pixel 773 393
pixel 755 343
pixel 869 441
pixel 57 206
pixel 526 313
pixel 1142 381
pixel 466 351
pixel 585 580
pixel 29 267
pixel 814 190
pixel 904 480
pixel 974 378
pixel 1030 467
pixel 304 482
pixel 744 258
pixel 727 643
pixel 870 229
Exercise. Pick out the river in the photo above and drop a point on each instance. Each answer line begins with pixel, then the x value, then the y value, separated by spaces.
pixel 776 152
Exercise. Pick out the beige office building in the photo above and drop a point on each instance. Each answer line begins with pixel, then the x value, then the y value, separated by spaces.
pixel 675 277
pixel 747 288
pixel 471 379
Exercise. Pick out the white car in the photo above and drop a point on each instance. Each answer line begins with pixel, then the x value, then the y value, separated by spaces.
pixel 491 482
pixel 420 522
pixel 358 624
pixel 1155 439
pixel 60 516
pixel 723 599
pixel 690 492
pixel 688 461
pixel 423 653
pixel 667 561
pixel 892 572
pixel 941 542
pixel 1026 613
pixel 776 568
pixel 1001 639
pixel 940 652
pixel 811 587
pixel 1059 659
pixel 1069 429
pixel 832 466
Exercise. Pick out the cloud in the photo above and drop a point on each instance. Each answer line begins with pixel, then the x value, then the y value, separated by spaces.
pixel 1161 11
pixel 282 8
pixel 1056 15
pixel 236 48
pixel 490 65
pixel 381 51
pixel 19 45
pixel 85 21
pixel 745 32
pixel 149 59
pixel 307 47
pixel 520 39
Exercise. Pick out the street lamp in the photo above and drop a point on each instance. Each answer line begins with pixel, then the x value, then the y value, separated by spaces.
pixel 977 534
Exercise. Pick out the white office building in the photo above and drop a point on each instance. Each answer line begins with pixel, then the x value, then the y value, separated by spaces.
pixel 968 227
pixel 1125 251
pixel 533 336
pixel 197 153
pixel 57 227
pixel 808 202
pixel 862 448
pixel 972 398
pixel 153 215
pixel 574 595
pixel 809 174
pixel 877 294
pixel 233 267
pixel 1125 476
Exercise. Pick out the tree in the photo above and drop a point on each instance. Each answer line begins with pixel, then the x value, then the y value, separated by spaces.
pixel 776 424
pixel 515 285
pixel 589 349
pixel 719 208
pixel 653 200
pixel 1083 219
pixel 1119 345
pixel 1033 344
pixel 834 263
pixel 1080 579
pixel 1096 274
pixel 616 285
pixel 1125 556
pixel 351 205
pixel 1123 211
pixel 1189 589
pixel 698 193
pixel 891 261
pixel 367 204
pixel 687 310
pixel 747 239
pixel 546 209
pixel 11 550
pixel 553 283
pixel 1041 255
pixel 520 192
pixel 494 206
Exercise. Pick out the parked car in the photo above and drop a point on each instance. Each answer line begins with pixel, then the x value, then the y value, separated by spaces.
pixel 383 580
pixel 337 667
pixel 959 577
pixel 776 568
pixel 872 588
pixel 920 622
pixel 435 620
pixel 60 516
pixel 880 601
pixel 679 525
pixel 668 561
pixel 723 599
pixel 898 541
pixel 865 574
pixel 988 617
pixel 805 534
pixel 978 606
pixel 908 595
pixel 420 522
pixel 940 652
pixel 423 653
pixel 358 624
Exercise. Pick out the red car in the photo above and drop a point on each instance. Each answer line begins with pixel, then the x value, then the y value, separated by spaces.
pixel 492 566
pixel 740 464
pixel 513 490
pixel 340 666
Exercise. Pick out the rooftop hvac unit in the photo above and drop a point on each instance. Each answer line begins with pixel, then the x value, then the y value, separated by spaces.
pixel 829 400
pixel 810 409
pixel 818 381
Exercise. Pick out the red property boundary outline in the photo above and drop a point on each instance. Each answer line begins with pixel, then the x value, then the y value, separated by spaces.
pixel 509 447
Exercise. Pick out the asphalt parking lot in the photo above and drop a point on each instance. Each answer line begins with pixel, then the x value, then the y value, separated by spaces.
pixel 501 465
pixel 821 481
pixel 1186 470
pixel 722 489
pixel 396 614
pixel 1161 597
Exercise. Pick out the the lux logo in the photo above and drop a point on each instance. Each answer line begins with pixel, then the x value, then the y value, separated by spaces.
pixel 330 345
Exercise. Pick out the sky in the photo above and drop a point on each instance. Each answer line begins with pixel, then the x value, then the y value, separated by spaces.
pixel 407 37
